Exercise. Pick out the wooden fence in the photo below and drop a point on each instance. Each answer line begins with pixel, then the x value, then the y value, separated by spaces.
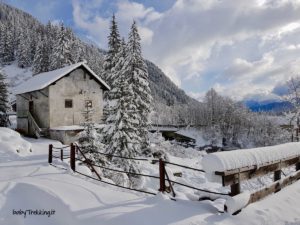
pixel 165 183
pixel 234 177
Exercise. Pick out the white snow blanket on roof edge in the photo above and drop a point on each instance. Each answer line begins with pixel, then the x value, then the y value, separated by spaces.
pixel 43 80
pixel 222 161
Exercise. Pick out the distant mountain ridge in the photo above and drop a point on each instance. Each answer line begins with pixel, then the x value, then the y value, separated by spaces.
pixel 268 106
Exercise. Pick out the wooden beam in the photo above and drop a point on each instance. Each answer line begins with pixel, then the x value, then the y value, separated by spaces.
pixel 24 97
pixel 43 93
pixel 246 173
pixel 262 193
pixel 34 94
pixel 235 189
pixel 298 166
pixel 277 175
pixel 275 187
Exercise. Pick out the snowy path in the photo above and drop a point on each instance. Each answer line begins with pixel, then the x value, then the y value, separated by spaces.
pixel 30 183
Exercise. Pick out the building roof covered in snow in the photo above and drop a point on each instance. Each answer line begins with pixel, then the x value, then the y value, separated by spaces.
pixel 43 80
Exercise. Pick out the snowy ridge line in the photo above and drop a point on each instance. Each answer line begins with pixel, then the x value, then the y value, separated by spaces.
pixel 132 189
pixel 120 171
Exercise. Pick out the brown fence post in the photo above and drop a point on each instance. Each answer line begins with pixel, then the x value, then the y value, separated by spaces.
pixel 72 157
pixel 50 153
pixel 62 155
pixel 277 175
pixel 236 187
pixel 162 184
pixel 297 166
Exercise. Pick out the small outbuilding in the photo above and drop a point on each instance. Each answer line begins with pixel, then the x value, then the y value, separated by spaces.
pixel 52 104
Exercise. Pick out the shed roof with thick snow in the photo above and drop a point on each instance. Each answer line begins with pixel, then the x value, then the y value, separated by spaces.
pixel 43 80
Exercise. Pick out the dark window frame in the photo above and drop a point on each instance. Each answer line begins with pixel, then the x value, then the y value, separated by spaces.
pixel 68 103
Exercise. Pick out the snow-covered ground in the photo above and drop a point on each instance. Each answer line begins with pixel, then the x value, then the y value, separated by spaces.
pixel 28 182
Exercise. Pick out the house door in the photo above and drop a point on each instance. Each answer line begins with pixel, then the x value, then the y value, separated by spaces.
pixel 31 107
pixel 30 126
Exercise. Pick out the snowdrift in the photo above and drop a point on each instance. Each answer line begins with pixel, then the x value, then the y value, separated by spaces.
pixel 34 205
pixel 12 142
pixel 222 161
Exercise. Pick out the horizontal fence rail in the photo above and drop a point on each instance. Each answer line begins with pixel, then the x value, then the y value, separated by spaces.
pixel 234 177
pixel 120 171
pixel 183 166
pixel 132 189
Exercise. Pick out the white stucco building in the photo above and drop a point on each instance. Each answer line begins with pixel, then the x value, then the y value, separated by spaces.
pixel 52 103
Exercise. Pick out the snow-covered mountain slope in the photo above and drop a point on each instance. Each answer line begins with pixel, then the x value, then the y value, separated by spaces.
pixel 15 76
pixel 30 183
pixel 164 90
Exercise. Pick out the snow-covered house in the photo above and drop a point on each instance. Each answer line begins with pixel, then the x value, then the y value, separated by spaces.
pixel 52 103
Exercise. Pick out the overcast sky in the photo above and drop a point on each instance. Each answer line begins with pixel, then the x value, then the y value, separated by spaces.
pixel 242 48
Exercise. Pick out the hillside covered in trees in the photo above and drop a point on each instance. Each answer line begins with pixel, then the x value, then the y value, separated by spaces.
pixel 47 47
pixel 37 48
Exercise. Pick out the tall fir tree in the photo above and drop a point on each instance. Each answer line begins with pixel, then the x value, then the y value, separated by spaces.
pixel 114 43
pixel 114 96
pixel 3 102
pixel 123 123
pixel 61 52
pixel 136 69
pixel 6 44
pixel 24 50
pixel 41 61
pixel 130 108
pixel 110 75
pixel 76 50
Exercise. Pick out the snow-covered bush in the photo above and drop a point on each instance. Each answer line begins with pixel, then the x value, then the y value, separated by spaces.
pixel 12 142
pixel 90 144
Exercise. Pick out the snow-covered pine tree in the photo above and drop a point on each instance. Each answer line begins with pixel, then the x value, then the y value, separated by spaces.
pixel 89 139
pixel 111 75
pixel 76 50
pixel 114 94
pixel 135 69
pixel 114 42
pixel 41 58
pixel 61 52
pixel 24 50
pixel 3 102
pixel 6 44
pixel 125 140
pixel 131 106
